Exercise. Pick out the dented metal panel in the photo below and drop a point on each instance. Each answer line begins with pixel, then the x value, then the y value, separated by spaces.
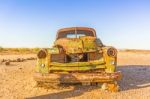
pixel 78 77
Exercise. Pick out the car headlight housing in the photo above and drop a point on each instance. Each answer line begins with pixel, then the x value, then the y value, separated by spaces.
pixel 42 54
pixel 112 52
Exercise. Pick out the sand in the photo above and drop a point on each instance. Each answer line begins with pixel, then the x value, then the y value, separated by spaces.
pixel 16 80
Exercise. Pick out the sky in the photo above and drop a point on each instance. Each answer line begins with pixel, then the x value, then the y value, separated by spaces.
pixel 34 23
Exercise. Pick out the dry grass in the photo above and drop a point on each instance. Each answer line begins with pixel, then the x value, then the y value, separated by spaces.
pixel 35 50
pixel 18 50
pixel 134 50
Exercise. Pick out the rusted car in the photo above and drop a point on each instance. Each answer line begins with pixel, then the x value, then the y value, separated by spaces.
pixel 78 56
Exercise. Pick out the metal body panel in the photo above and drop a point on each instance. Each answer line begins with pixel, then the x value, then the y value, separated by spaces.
pixel 77 77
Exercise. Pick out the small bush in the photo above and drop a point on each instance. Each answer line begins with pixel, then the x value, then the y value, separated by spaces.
pixel 35 50
pixel 1 49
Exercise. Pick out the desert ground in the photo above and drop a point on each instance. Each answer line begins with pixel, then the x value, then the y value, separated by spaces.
pixel 16 80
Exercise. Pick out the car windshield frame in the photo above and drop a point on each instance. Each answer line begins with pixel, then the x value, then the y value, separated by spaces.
pixel 75 33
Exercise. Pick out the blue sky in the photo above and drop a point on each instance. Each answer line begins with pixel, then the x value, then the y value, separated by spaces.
pixel 34 23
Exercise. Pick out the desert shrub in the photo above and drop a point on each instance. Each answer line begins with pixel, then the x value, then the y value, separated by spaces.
pixel 24 50
pixel 14 49
pixel 1 49
pixel 35 50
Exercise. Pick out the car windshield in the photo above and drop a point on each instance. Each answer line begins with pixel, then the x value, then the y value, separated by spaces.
pixel 75 34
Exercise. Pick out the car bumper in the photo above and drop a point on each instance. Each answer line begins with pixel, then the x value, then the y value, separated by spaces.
pixel 77 77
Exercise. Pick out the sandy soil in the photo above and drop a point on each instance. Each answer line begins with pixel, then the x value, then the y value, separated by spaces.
pixel 16 81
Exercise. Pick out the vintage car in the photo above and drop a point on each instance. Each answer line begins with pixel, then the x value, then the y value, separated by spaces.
pixel 78 56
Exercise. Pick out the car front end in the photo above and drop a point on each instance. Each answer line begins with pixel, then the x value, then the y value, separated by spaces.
pixel 77 60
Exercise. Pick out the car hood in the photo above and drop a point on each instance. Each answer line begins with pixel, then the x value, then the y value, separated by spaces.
pixel 77 45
